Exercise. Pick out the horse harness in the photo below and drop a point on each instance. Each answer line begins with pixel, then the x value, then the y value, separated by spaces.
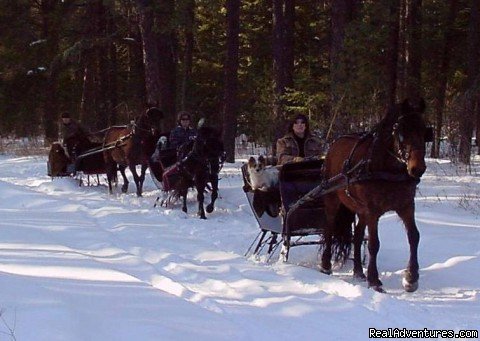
pixel 359 172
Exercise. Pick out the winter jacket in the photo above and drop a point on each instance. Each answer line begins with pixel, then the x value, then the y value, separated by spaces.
pixel 287 148
pixel 179 136
pixel 72 129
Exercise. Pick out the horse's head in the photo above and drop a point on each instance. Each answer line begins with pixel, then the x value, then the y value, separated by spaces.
pixel 409 133
pixel 208 143
pixel 149 123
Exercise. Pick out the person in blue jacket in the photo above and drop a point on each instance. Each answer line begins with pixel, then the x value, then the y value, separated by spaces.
pixel 183 132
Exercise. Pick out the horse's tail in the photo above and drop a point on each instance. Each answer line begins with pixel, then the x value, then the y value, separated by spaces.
pixel 342 234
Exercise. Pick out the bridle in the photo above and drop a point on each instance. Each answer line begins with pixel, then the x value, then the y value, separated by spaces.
pixel 402 151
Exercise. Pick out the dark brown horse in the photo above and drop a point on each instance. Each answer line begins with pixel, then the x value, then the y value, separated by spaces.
pixel 372 174
pixel 200 164
pixel 130 146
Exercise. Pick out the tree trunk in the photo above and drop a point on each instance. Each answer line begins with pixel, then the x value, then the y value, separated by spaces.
pixel 439 102
pixel 471 91
pixel 278 70
pixel 166 50
pixel 231 79
pixel 113 90
pixel 103 84
pixel 289 43
pixel 343 12
pixel 87 105
pixel 50 32
pixel 189 15
pixel 402 42
pixel 150 54
pixel 392 52
pixel 413 49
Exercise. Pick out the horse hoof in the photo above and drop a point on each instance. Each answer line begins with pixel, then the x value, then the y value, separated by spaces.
pixel 202 216
pixel 360 277
pixel 209 209
pixel 124 189
pixel 377 288
pixel 184 209
pixel 326 271
pixel 409 287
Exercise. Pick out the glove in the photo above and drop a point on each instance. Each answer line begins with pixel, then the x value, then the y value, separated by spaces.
pixel 297 159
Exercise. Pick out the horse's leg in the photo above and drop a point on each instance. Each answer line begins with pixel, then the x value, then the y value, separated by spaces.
pixel 183 194
pixel 122 168
pixel 214 196
pixel 200 186
pixel 373 247
pixel 332 205
pixel 111 169
pixel 358 236
pixel 142 178
pixel 410 280
pixel 136 178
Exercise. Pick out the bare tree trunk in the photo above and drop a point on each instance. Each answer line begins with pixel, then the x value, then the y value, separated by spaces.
pixel 50 32
pixel 392 52
pixel 103 81
pixel 189 14
pixel 167 49
pixel 87 104
pixel 231 78
pixel 278 70
pixel 471 91
pixel 289 42
pixel 413 48
pixel 150 54
pixel 439 103
pixel 402 37
pixel 343 12
pixel 113 90
pixel 136 68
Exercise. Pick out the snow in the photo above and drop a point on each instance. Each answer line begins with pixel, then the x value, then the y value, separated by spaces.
pixel 79 264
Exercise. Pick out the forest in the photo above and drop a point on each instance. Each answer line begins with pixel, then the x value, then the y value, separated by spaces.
pixel 247 66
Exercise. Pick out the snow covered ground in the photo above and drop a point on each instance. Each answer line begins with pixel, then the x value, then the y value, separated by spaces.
pixel 79 264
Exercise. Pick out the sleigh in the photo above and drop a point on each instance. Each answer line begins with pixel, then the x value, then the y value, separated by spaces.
pixel 87 158
pixel 281 219
pixel 88 163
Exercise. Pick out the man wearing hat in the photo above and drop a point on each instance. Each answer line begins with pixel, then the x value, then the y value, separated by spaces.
pixel 298 143
pixel 72 128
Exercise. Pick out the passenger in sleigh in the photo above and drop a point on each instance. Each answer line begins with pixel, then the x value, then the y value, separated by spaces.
pixel 172 149
pixel 75 136
pixel 168 148
pixel 183 133
pixel 297 146
pixel 298 143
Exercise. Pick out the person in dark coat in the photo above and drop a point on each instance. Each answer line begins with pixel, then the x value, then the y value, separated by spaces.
pixel 298 143
pixel 184 132
pixel 71 127
pixel 73 134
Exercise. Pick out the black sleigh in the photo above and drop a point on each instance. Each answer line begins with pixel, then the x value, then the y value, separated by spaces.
pixel 284 218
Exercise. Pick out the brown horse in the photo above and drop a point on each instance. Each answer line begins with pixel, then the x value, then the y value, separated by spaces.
pixel 130 146
pixel 372 174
